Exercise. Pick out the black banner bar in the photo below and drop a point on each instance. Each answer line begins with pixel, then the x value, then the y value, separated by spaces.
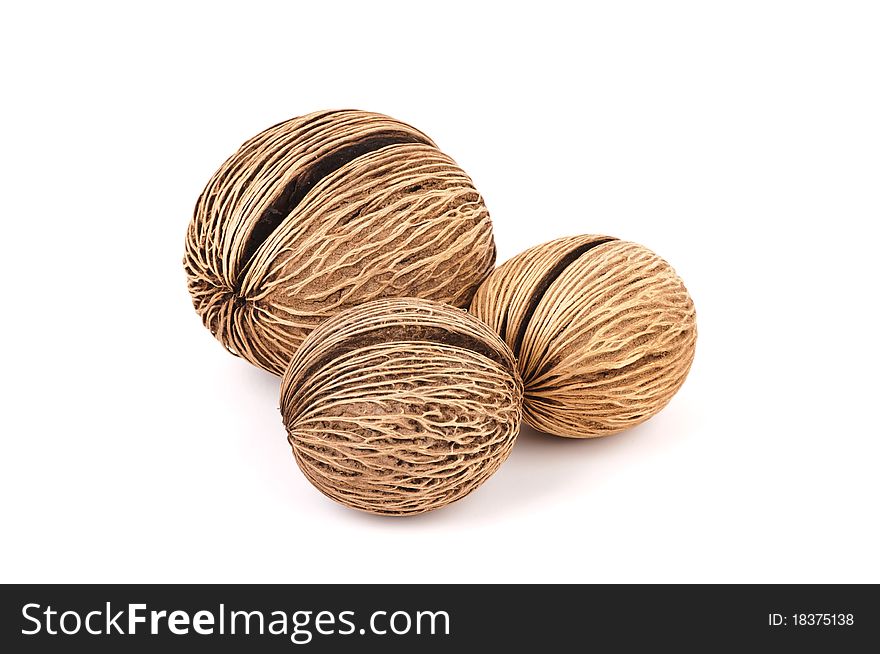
pixel 319 618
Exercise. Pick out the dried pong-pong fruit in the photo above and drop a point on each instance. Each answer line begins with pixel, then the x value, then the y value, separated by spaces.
pixel 324 212
pixel 603 331
pixel 401 406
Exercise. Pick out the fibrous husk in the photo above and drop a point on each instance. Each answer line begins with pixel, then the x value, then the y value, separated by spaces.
pixel 324 212
pixel 603 330
pixel 401 406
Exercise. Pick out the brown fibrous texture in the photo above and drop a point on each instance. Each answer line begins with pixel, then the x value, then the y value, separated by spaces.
pixel 322 213
pixel 604 332
pixel 401 406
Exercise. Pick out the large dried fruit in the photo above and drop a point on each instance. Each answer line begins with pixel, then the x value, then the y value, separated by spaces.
pixel 325 212
pixel 400 406
pixel 603 331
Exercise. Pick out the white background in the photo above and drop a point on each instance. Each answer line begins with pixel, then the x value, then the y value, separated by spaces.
pixel 741 141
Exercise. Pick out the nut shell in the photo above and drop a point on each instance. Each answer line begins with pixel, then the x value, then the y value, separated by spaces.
pixel 603 330
pixel 401 406
pixel 325 212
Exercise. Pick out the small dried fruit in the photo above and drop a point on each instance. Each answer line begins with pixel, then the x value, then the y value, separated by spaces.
pixel 401 406
pixel 603 330
pixel 322 213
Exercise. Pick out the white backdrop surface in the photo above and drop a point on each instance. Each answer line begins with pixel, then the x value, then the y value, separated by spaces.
pixel 741 141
